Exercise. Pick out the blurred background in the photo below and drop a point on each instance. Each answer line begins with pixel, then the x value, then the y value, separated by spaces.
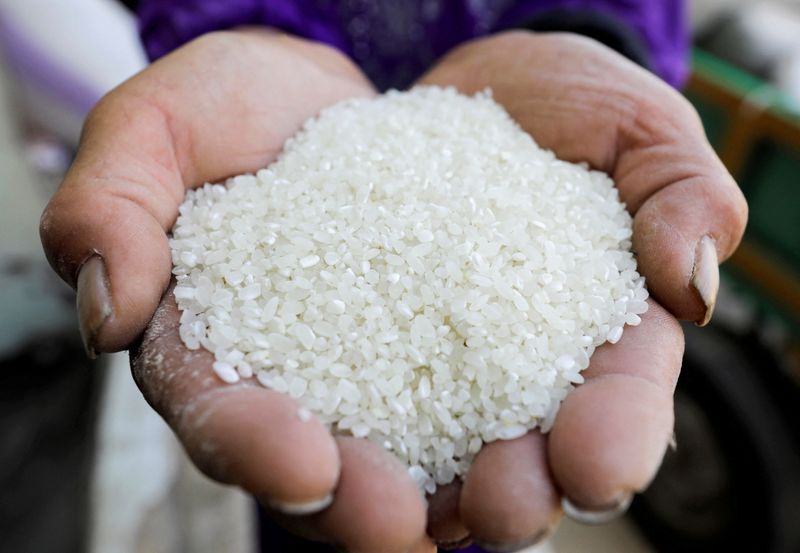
pixel 85 466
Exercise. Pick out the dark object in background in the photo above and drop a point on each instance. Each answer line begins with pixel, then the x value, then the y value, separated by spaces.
pixel 130 4
pixel 272 537
pixel 733 483
pixel 48 408
pixel 594 24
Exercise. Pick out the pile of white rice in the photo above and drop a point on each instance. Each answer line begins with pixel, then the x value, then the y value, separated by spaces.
pixel 413 269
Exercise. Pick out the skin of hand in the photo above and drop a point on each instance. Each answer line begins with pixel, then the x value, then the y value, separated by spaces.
pixel 587 103
pixel 223 105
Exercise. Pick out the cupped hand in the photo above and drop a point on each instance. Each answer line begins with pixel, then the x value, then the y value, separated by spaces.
pixel 220 106
pixel 224 105
pixel 588 104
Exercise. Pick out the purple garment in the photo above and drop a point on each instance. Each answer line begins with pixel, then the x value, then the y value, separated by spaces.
pixel 395 42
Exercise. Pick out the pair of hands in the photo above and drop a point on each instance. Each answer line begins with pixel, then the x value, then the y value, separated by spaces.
pixel 224 105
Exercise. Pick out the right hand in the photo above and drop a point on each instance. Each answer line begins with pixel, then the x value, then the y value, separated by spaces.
pixel 220 106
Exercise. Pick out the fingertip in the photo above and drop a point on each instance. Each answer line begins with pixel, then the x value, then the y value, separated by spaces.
pixel 680 234
pixel 509 498
pixel 116 255
pixel 609 439
pixel 257 439
pixel 377 506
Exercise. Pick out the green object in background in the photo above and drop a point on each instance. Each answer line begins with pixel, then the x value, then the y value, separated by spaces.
pixel 733 484
pixel 738 84
pixel 756 131
pixel 771 181
pixel 737 81
pixel 714 120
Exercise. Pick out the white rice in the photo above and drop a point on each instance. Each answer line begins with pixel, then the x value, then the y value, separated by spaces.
pixel 413 269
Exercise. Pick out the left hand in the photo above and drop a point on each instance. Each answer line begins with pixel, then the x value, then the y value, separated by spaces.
pixel 221 105
pixel 587 103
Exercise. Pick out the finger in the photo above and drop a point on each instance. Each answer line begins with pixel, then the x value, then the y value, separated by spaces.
pixel 445 526
pixel 509 500
pixel 680 236
pixel 239 434
pixel 611 432
pixel 587 103
pixel 689 213
pixel 376 507
pixel 173 126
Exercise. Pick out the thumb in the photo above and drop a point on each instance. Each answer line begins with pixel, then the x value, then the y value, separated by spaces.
pixel 104 231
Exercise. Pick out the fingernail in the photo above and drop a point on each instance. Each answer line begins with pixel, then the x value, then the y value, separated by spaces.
pixel 705 276
pixel 301 508
pixel 601 515
pixel 511 547
pixel 454 544
pixel 94 301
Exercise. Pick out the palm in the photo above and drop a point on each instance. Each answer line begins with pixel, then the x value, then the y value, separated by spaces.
pixel 225 105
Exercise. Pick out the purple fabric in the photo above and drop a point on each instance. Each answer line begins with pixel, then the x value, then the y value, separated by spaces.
pixel 662 24
pixel 32 63
pixel 394 42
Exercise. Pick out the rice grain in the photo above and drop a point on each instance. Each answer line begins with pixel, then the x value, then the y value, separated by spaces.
pixel 430 286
